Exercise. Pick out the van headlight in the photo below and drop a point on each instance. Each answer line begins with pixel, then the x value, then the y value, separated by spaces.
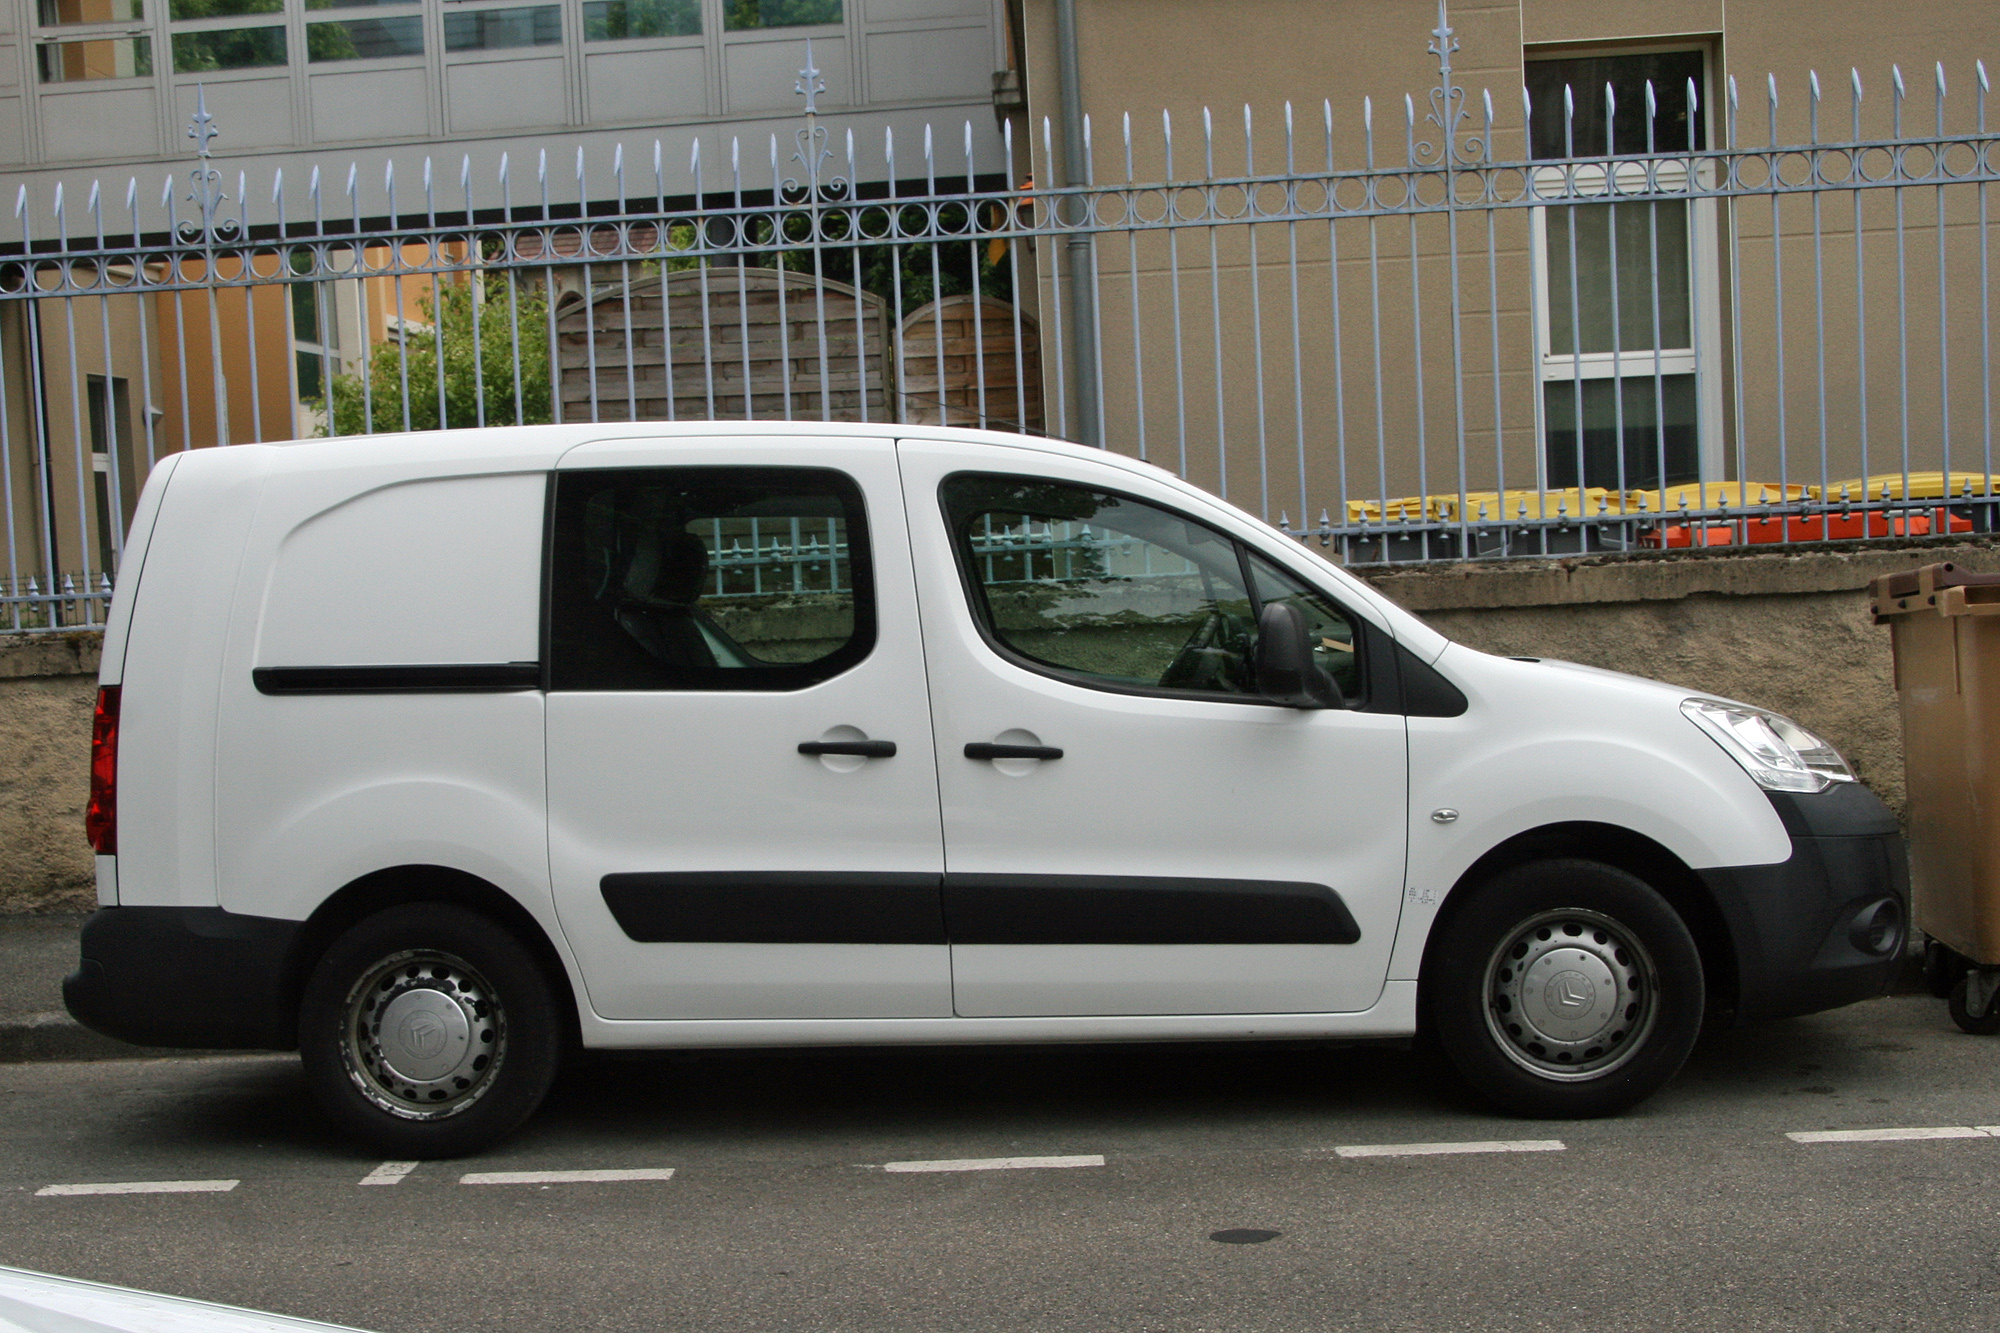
pixel 1778 753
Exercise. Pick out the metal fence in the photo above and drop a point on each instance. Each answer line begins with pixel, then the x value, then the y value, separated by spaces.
pixel 1651 314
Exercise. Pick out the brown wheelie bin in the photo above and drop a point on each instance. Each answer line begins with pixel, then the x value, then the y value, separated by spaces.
pixel 1944 624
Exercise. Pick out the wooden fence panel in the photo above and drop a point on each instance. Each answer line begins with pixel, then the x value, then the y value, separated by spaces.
pixel 948 326
pixel 770 319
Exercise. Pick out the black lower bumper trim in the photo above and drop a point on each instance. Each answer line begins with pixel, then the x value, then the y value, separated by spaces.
pixel 1825 927
pixel 186 976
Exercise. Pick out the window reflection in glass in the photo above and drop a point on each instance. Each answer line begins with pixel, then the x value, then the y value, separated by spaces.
pixel 739 15
pixel 228 48
pixel 104 58
pixel 618 20
pixel 58 13
pixel 708 579
pixel 365 39
pixel 215 9
pixel 1103 586
pixel 495 29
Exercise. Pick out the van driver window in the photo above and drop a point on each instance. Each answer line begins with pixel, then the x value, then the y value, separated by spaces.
pixel 741 578
pixel 1103 587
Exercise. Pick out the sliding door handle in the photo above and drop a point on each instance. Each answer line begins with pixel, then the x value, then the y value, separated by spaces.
pixel 987 750
pixel 859 749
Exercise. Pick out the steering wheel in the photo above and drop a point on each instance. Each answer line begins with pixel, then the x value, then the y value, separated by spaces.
pixel 1215 657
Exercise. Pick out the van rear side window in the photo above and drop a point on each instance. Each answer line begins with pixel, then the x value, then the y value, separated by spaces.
pixel 751 578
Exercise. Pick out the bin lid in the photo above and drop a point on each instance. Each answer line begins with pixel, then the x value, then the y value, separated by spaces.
pixel 1910 591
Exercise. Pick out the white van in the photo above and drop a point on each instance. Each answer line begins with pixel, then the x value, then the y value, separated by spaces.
pixel 433 755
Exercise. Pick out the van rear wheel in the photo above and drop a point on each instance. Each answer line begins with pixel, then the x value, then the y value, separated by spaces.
pixel 1564 989
pixel 428 1030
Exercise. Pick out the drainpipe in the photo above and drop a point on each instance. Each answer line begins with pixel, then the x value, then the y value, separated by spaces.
pixel 1082 257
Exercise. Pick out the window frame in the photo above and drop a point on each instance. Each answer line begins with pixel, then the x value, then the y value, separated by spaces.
pixel 783 678
pixel 1703 357
pixel 1368 660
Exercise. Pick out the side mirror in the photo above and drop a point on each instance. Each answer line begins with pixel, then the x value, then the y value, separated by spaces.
pixel 1286 672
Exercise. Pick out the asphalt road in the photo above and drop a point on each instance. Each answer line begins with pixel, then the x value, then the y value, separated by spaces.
pixel 1695 1212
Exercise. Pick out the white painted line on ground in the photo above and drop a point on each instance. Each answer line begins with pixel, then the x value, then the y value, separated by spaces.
pixel 146 1187
pixel 1892 1135
pixel 389 1173
pixel 1439 1149
pixel 564 1177
pixel 996 1163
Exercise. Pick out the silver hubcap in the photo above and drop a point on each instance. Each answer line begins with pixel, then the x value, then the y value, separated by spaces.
pixel 1570 995
pixel 424 1035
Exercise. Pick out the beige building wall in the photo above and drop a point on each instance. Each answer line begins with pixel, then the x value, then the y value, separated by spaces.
pixel 1902 322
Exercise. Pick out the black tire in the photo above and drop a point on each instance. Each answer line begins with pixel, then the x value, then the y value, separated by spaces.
pixel 1955 1004
pixel 1563 989
pixel 429 1030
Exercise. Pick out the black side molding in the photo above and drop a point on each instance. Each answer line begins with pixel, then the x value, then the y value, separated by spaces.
pixel 776 907
pixel 438 678
pixel 1136 909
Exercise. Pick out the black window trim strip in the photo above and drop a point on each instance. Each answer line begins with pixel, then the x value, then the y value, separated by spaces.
pixel 408 678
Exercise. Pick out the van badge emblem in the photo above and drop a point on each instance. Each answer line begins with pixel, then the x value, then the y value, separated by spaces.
pixel 423 1035
pixel 1570 991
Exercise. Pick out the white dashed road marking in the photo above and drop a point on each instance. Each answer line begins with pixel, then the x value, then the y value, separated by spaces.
pixel 563 1177
pixel 996 1163
pixel 1439 1149
pixel 1892 1135
pixel 146 1187
pixel 389 1173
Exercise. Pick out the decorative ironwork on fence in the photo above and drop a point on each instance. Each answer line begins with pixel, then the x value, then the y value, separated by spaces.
pixel 1668 311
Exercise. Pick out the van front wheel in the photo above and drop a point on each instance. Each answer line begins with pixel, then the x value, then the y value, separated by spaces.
pixel 427 1031
pixel 1564 989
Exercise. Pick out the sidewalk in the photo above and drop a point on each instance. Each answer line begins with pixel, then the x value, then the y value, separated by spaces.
pixel 35 953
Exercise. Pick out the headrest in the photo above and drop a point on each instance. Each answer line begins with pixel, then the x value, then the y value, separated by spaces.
pixel 668 567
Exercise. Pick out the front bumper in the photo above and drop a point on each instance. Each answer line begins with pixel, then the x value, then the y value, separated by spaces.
pixel 1827 926
pixel 187 976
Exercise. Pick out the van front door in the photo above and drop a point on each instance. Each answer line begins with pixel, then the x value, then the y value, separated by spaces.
pixel 1129 827
pixel 743 812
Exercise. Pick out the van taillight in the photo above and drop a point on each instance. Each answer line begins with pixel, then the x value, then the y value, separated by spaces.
pixel 100 817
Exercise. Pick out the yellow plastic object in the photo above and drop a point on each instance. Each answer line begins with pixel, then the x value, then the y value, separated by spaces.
pixel 1718 495
pixel 1513 506
pixel 1944 624
pixel 1923 486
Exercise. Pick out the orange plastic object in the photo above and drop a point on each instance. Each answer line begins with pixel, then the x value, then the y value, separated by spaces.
pixel 1829 527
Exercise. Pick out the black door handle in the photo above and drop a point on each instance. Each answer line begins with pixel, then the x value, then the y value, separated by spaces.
pixel 987 750
pixel 860 749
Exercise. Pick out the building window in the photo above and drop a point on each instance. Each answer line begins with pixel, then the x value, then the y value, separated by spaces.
pixel 62 13
pixel 198 50
pixel 619 20
pixel 365 38
pixel 739 15
pixel 96 58
pixel 1625 303
pixel 109 54
pixel 493 29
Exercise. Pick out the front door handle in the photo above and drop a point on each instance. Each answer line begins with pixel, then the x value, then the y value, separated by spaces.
pixel 860 749
pixel 988 750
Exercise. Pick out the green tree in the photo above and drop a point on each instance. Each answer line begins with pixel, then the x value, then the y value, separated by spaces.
pixel 467 368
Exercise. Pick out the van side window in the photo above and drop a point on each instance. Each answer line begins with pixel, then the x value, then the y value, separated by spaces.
pixel 750 578
pixel 1102 587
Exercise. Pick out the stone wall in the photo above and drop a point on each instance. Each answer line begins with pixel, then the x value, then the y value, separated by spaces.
pixel 48 687
pixel 1786 630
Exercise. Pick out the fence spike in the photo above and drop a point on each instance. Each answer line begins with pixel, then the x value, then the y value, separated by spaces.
pixel 132 191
